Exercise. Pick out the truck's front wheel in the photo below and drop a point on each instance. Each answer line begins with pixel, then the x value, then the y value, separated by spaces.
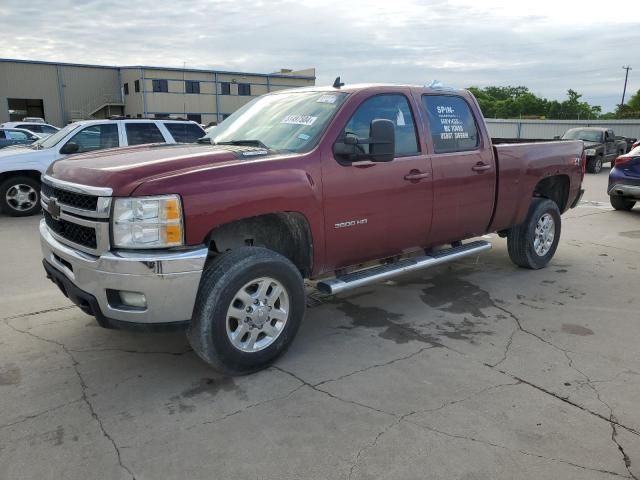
pixel 594 165
pixel 533 243
pixel 249 307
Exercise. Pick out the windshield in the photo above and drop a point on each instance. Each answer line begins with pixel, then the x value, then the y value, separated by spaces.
pixel 586 135
pixel 282 121
pixel 54 139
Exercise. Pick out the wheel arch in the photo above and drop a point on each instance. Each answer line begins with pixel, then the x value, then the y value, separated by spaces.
pixel 35 174
pixel 555 188
pixel 287 233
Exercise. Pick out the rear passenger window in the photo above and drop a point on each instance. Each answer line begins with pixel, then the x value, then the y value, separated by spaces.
pixel 453 128
pixel 185 132
pixel 141 133
pixel 390 107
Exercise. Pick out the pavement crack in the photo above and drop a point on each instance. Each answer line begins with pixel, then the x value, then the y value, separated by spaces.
pixel 39 312
pixel 26 418
pixel 377 365
pixel 137 352
pixel 331 395
pixel 83 386
pixel 372 444
pixel 522 452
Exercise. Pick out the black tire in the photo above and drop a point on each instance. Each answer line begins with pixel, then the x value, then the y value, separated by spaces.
pixel 621 203
pixel 520 239
pixel 221 281
pixel 594 165
pixel 25 184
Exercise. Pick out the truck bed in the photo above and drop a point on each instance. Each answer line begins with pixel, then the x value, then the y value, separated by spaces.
pixel 522 166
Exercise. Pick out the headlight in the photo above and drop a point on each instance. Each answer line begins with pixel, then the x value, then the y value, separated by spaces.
pixel 590 152
pixel 147 222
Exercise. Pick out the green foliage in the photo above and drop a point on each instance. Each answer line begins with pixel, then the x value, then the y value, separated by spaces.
pixel 631 109
pixel 519 102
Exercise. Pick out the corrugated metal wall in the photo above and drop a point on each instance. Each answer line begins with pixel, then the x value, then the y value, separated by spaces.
pixel 85 89
pixel 552 128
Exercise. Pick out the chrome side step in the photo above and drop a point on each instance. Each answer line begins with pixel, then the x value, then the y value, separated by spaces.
pixel 384 272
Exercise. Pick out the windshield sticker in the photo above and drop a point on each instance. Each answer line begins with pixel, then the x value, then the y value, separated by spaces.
pixel 327 99
pixel 255 152
pixel 307 120
pixel 304 136
pixel 400 119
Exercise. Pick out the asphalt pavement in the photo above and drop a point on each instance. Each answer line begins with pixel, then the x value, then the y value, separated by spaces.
pixel 472 370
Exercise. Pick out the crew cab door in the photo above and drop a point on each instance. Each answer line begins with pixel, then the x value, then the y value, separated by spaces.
pixel 464 170
pixel 610 144
pixel 376 209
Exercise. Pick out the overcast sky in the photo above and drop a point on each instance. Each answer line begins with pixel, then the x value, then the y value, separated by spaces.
pixel 546 45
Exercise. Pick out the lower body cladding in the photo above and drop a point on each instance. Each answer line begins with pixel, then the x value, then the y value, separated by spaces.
pixel 126 288
pixel 625 190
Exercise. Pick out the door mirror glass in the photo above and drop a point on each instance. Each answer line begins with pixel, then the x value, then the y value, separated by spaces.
pixel 382 137
pixel 69 148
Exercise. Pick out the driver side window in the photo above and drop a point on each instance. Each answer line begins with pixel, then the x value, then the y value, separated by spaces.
pixel 96 137
pixel 394 107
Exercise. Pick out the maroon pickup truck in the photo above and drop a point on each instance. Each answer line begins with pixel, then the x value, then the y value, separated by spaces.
pixel 341 186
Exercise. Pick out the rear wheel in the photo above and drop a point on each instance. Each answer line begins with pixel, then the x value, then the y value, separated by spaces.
pixel 621 203
pixel 594 165
pixel 20 196
pixel 250 304
pixel 533 243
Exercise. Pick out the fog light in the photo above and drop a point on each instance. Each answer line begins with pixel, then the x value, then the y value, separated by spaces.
pixel 133 299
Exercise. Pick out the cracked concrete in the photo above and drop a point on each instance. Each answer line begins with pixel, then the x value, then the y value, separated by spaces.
pixel 474 370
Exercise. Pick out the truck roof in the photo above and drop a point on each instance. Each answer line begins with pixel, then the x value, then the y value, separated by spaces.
pixel 352 88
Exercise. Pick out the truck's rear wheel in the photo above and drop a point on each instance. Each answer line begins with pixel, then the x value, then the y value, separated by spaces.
pixel 533 243
pixel 621 203
pixel 20 196
pixel 249 307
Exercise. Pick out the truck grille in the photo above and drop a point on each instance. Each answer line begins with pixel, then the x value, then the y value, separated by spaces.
pixel 72 199
pixel 78 234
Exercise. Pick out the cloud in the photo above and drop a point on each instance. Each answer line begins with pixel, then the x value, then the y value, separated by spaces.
pixel 549 46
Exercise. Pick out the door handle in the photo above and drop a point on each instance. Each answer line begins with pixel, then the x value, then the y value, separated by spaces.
pixel 481 167
pixel 415 175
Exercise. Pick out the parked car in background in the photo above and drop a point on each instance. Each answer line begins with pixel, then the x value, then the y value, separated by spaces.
pixel 42 129
pixel 20 169
pixel 33 119
pixel 16 136
pixel 624 180
pixel 600 145
pixel 635 144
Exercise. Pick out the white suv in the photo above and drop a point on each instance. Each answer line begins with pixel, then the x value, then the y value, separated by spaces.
pixel 42 129
pixel 21 167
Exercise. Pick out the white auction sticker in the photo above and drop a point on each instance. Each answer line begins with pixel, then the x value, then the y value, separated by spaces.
pixel 327 99
pixel 299 120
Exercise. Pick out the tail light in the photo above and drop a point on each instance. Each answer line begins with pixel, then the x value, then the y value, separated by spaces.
pixel 621 160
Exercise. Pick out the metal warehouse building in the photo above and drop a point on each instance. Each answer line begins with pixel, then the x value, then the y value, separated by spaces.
pixel 62 92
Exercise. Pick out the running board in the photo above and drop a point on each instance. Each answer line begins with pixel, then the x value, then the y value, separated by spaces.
pixel 384 272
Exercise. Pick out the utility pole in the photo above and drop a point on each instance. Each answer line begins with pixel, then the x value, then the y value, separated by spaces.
pixel 626 76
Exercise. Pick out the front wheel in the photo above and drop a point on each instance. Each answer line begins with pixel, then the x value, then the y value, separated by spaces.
pixel 249 307
pixel 621 203
pixel 594 165
pixel 533 243
pixel 20 196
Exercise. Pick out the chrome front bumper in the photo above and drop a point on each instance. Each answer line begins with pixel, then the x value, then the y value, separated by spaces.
pixel 168 279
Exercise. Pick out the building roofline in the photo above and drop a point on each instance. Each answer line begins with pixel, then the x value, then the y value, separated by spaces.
pixel 147 67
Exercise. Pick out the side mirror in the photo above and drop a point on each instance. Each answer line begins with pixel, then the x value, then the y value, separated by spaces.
pixel 382 142
pixel 69 148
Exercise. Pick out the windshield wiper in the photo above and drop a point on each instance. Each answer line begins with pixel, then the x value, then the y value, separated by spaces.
pixel 249 143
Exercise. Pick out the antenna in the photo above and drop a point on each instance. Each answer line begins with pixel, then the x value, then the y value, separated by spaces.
pixel 337 83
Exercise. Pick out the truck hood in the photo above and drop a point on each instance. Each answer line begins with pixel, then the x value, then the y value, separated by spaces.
pixel 125 169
